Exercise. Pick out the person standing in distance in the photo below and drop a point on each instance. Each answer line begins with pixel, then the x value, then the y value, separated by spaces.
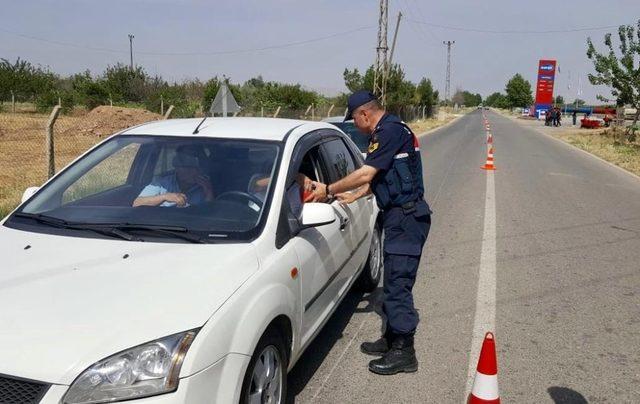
pixel 393 173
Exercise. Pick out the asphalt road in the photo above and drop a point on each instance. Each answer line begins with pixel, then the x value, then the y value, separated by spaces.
pixel 566 295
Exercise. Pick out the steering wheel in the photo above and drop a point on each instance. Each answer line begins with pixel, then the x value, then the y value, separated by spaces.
pixel 240 196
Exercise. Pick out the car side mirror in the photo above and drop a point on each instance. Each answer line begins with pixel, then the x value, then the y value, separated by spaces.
pixel 28 193
pixel 317 214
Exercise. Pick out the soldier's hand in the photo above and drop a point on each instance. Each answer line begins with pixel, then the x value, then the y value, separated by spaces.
pixel 319 192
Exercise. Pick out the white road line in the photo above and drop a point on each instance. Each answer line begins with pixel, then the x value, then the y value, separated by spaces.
pixel 485 317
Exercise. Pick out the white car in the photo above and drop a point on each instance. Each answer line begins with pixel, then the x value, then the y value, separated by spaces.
pixel 204 296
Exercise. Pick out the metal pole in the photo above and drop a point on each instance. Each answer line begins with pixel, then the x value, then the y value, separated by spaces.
pixel 13 102
pixel 381 51
pixel 393 47
pixel 447 88
pixel 131 49
pixel 224 100
pixel 161 105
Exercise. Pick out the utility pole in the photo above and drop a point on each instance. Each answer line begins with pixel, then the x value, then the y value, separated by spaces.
pixel 390 62
pixel 381 51
pixel 131 49
pixel 447 87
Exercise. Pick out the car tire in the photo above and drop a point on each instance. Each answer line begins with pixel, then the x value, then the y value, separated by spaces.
pixel 370 276
pixel 268 365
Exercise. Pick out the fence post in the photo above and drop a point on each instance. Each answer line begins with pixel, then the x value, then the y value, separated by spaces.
pixel 424 107
pixel 313 112
pixel 262 111
pixel 162 105
pixel 13 102
pixel 307 111
pixel 50 144
pixel 169 111
pixel 277 112
pixel 330 109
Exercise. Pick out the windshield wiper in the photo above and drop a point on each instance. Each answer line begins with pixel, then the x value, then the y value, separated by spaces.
pixel 171 231
pixel 63 224
pixel 116 229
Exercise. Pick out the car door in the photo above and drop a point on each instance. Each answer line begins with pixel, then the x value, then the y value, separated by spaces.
pixel 342 160
pixel 323 252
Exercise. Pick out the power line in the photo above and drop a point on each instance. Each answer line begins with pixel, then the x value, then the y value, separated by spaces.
pixel 484 31
pixel 207 53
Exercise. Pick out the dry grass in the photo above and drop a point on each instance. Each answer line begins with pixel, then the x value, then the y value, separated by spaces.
pixel 422 125
pixel 23 156
pixel 603 144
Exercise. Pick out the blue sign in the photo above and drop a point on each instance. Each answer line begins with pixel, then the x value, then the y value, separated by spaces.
pixel 544 77
pixel 546 67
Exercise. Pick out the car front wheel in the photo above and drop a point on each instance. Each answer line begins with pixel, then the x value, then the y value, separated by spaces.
pixel 370 275
pixel 265 381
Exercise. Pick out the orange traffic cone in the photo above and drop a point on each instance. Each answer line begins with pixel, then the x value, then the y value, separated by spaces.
pixel 489 138
pixel 485 384
pixel 489 164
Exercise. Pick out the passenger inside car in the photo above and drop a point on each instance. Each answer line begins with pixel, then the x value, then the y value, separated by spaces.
pixel 184 186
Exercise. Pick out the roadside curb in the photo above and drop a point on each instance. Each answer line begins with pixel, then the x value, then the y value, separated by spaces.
pixel 572 147
pixel 430 131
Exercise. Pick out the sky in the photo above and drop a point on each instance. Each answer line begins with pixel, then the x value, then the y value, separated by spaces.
pixel 312 42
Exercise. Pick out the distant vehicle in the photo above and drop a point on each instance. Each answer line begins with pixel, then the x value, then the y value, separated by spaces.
pixel 360 139
pixel 204 297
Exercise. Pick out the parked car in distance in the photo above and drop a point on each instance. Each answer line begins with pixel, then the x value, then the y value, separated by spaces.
pixel 360 139
pixel 169 265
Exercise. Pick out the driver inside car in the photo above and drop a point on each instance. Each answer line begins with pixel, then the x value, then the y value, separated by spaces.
pixel 184 186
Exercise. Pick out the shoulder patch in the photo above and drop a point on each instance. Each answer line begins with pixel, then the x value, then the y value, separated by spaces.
pixel 373 146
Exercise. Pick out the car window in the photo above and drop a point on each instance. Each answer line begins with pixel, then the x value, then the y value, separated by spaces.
pixel 360 139
pixel 338 159
pixel 213 187
pixel 110 173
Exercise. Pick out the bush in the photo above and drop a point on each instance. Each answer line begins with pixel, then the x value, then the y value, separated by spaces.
pixel 173 95
pixel 46 101
pixel 92 94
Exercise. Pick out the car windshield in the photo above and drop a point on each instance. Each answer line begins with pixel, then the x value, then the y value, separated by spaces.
pixel 360 139
pixel 208 188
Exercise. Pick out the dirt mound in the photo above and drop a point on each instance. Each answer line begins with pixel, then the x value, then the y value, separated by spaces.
pixel 105 121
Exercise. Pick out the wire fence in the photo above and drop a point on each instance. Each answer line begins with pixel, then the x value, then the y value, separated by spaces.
pixel 25 159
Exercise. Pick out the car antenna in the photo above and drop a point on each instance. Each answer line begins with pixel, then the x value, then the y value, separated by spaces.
pixel 195 132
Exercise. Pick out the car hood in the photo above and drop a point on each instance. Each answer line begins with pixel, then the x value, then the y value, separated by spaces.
pixel 67 302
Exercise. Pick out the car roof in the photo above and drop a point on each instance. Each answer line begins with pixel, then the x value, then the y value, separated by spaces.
pixel 235 128
pixel 336 119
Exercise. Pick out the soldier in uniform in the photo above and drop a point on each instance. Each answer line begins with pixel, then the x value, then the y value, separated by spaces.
pixel 393 173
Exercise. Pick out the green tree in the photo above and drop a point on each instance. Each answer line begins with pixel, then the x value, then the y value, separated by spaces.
pixel 497 100
pixel 401 92
pixel 175 95
pixel 89 92
pixel 578 102
pixel 426 95
pixel 559 100
pixel 25 80
pixel 519 92
pixel 620 71
pixel 126 85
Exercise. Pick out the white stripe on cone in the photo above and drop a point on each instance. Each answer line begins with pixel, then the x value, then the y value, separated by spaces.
pixel 485 387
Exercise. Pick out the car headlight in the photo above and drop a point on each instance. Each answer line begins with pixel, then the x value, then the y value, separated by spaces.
pixel 146 370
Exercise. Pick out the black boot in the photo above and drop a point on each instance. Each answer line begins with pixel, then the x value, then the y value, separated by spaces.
pixel 377 348
pixel 400 358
